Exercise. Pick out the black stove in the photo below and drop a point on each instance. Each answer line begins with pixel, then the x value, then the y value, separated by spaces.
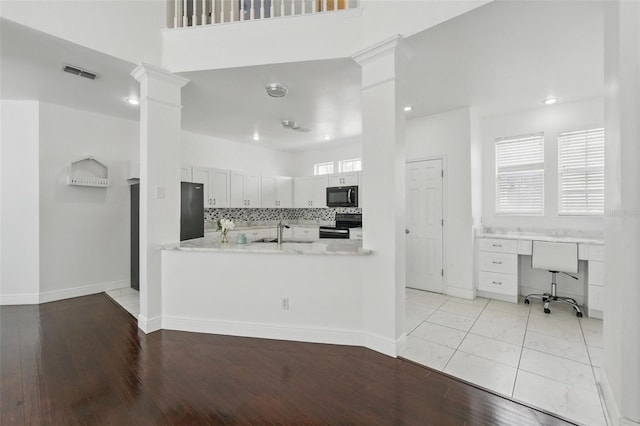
pixel 344 221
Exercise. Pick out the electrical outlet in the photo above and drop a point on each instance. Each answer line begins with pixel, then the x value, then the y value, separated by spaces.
pixel 285 304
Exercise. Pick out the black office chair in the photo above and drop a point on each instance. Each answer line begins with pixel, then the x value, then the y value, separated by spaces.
pixel 556 258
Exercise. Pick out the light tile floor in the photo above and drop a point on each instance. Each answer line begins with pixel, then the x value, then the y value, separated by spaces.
pixel 128 298
pixel 546 361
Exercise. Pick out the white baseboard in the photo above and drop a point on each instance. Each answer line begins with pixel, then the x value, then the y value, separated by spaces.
pixel 149 325
pixel 19 299
pixel 497 296
pixel 68 293
pixel 280 332
pixel 463 293
pixel 383 345
pixel 611 405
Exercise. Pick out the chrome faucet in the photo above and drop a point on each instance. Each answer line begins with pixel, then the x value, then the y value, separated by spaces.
pixel 281 227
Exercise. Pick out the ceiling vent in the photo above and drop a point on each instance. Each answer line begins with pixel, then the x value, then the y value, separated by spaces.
pixel 79 72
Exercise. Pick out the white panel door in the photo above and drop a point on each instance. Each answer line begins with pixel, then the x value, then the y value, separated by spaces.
pixel 424 225
pixel 284 192
pixel 219 188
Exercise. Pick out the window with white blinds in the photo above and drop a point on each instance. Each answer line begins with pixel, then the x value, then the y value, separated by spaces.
pixel 520 174
pixel 581 172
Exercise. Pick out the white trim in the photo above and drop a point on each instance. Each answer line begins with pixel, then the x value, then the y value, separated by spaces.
pixel 284 332
pixel 612 411
pixel 497 296
pixel 395 43
pixel 146 71
pixel 462 293
pixel 19 299
pixel 68 293
pixel 149 325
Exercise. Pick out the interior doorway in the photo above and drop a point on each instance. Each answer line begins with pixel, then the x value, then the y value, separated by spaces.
pixel 424 220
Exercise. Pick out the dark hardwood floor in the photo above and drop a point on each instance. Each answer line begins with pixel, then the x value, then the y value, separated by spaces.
pixel 83 361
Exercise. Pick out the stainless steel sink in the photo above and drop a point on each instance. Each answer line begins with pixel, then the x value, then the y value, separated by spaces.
pixel 275 240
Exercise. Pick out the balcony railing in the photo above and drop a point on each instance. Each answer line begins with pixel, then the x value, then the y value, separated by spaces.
pixel 197 13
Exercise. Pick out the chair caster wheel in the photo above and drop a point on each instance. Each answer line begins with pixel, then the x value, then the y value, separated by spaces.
pixel 579 314
pixel 526 301
pixel 547 311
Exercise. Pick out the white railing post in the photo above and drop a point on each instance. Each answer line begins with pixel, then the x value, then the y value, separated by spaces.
pixel 335 5
pixel 232 11
pixel 261 9
pixel 281 7
pixel 242 10
pixel 204 13
pixel 185 18
pixel 304 7
pixel 293 7
pixel 194 17
pixel 222 11
pixel 272 9
pixel 252 10
pixel 314 6
pixel 176 12
pixel 324 6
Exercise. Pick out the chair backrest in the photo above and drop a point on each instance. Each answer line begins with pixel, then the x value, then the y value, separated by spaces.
pixel 552 256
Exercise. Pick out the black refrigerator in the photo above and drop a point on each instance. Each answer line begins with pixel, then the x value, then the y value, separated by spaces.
pixel 191 210
pixel 191 221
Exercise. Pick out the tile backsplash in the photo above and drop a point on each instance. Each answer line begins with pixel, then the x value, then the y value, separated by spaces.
pixel 211 216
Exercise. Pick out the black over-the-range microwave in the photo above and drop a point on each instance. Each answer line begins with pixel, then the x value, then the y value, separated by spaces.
pixel 342 196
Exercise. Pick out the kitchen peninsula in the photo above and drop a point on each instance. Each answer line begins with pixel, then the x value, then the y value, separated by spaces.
pixel 306 291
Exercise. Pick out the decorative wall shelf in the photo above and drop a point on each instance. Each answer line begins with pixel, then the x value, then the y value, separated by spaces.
pixel 88 172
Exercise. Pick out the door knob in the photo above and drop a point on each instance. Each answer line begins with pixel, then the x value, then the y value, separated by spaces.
pixel 406 231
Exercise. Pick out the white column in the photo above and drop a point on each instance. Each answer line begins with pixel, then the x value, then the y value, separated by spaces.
pixel 160 109
pixel 620 377
pixel 383 184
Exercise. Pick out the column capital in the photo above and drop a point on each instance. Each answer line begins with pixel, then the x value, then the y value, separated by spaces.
pixel 146 71
pixel 393 45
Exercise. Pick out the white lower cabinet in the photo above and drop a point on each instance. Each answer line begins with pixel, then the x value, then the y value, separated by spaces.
pixel 595 289
pixel 305 232
pixel 355 234
pixel 255 234
pixel 498 269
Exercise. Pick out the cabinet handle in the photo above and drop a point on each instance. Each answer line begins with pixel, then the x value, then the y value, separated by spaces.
pixel 214 201
pixel 496 263
pixel 496 282
pixel 210 201
pixel 497 245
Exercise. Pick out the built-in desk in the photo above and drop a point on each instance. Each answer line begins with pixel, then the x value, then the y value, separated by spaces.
pixel 497 261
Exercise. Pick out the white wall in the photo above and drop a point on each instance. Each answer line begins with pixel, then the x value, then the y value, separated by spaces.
pixel 19 227
pixel 84 231
pixel 448 135
pixel 207 151
pixel 129 30
pixel 303 161
pixel 552 120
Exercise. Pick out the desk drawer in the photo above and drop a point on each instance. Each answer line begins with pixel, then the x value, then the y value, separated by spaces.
pixel 498 283
pixel 498 262
pixel 498 246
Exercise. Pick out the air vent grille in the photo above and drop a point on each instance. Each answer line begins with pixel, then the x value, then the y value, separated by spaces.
pixel 79 72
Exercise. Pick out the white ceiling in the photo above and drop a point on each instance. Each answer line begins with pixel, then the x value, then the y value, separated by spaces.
pixel 502 57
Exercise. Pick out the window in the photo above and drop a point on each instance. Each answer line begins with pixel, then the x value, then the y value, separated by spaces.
pixel 581 172
pixel 350 165
pixel 323 168
pixel 520 174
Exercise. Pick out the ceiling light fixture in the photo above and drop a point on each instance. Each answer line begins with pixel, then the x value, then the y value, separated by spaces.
pixel 132 101
pixel 550 101
pixel 256 137
pixel 276 90
pixel 327 137
pixel 408 108
pixel 290 124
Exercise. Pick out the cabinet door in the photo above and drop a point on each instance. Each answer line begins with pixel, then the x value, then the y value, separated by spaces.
pixel 219 188
pixel 202 175
pixel 185 174
pixel 319 191
pixel 252 192
pixel 302 192
pixel 269 191
pixel 236 192
pixel 344 179
pixel 284 192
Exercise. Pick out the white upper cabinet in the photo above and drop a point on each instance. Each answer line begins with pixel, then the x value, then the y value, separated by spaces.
pixel 344 179
pixel 310 191
pixel 245 190
pixel 185 173
pixel 277 192
pixel 216 186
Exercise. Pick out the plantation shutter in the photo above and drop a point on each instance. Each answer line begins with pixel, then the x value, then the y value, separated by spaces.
pixel 581 172
pixel 520 174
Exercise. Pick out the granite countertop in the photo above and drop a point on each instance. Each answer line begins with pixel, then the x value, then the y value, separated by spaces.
pixel 321 247
pixel 512 235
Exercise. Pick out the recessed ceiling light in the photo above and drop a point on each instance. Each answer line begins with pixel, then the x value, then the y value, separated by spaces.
pixel 408 108
pixel 132 101
pixel 550 101
pixel 256 137
pixel 327 137
pixel 276 90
